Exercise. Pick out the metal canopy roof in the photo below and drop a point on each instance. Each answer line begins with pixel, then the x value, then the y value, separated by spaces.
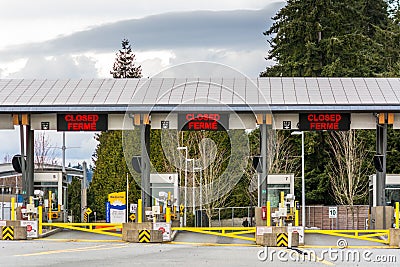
pixel 165 94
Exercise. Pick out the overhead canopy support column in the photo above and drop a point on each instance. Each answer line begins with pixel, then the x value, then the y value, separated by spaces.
pixel 381 149
pixel 264 120
pixel 145 161
pixel 30 161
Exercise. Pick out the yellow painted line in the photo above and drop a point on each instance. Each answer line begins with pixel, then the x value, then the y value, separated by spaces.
pixel 79 240
pixel 84 249
pixel 211 244
pixel 360 247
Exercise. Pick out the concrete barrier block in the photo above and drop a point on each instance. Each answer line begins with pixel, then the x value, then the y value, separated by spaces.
pixel 295 239
pixel 20 233
pixel 130 236
pixel 394 239
pixel 13 223
pixel 137 226
pixel 269 239
pixel 156 236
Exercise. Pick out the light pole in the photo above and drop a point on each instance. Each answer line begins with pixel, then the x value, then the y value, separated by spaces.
pixel 193 184
pixel 185 201
pixel 201 195
pixel 303 183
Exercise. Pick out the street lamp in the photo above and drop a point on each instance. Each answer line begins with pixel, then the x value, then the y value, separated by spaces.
pixel 185 203
pixel 303 183
pixel 193 184
pixel 201 195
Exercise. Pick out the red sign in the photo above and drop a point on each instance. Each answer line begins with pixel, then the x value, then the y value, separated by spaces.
pixel 82 122
pixel 203 121
pixel 324 121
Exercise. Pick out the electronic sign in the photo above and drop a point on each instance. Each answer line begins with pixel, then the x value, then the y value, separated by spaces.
pixel 324 121
pixel 199 121
pixel 75 122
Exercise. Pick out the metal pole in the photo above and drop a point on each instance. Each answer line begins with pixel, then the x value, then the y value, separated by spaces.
pixel 186 171
pixel 83 192
pixel 303 184
pixel 63 152
pixel 201 198
pixel 24 184
pixel 381 148
pixel 264 177
pixel 193 189
pixel 127 198
pixel 2 205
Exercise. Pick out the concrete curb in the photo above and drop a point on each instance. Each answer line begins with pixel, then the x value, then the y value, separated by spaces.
pixel 51 232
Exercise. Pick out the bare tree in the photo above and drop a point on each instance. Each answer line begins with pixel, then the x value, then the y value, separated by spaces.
pixel 7 158
pixel 281 160
pixel 44 150
pixel 221 166
pixel 347 171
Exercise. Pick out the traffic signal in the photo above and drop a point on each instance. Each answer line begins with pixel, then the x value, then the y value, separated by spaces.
pixel 378 163
pixel 136 163
pixel 16 163
pixel 257 163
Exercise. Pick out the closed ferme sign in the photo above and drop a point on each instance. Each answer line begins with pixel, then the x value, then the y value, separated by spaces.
pixel 324 121
pixel 203 121
pixel 82 122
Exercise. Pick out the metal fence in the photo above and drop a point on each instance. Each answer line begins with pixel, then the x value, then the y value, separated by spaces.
pixel 227 217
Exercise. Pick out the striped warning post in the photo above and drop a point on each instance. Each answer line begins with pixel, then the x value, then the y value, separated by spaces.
pixel 282 240
pixel 8 232
pixel 144 236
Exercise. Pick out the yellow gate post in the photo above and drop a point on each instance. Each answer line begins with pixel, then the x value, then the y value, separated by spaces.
pixel 40 210
pixel 49 203
pixel 139 210
pixel 296 214
pixel 268 213
pixel 397 215
pixel 168 215
pixel 13 209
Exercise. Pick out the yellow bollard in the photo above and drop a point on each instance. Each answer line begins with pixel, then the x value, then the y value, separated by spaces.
pixel 397 215
pixel 50 213
pixel 13 209
pixel 296 214
pixel 168 215
pixel 40 210
pixel 139 211
pixel 282 204
pixel 268 213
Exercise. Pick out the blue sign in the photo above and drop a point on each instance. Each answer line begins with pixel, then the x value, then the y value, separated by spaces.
pixel 108 212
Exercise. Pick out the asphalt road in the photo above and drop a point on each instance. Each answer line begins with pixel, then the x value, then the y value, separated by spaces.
pixel 49 252
pixel 70 248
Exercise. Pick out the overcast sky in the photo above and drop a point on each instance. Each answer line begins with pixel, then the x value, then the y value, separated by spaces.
pixel 78 39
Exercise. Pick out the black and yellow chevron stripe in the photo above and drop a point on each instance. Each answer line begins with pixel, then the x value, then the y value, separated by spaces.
pixel 8 233
pixel 144 236
pixel 282 240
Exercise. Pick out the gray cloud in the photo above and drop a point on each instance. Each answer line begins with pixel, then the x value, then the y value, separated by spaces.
pixel 241 29
pixel 63 66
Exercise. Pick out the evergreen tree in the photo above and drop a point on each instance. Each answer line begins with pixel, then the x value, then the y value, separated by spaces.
pixel 124 65
pixel 354 38
pixel 110 172
pixel 323 38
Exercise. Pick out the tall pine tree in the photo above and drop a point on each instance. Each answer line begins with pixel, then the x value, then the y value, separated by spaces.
pixel 323 38
pixel 124 65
